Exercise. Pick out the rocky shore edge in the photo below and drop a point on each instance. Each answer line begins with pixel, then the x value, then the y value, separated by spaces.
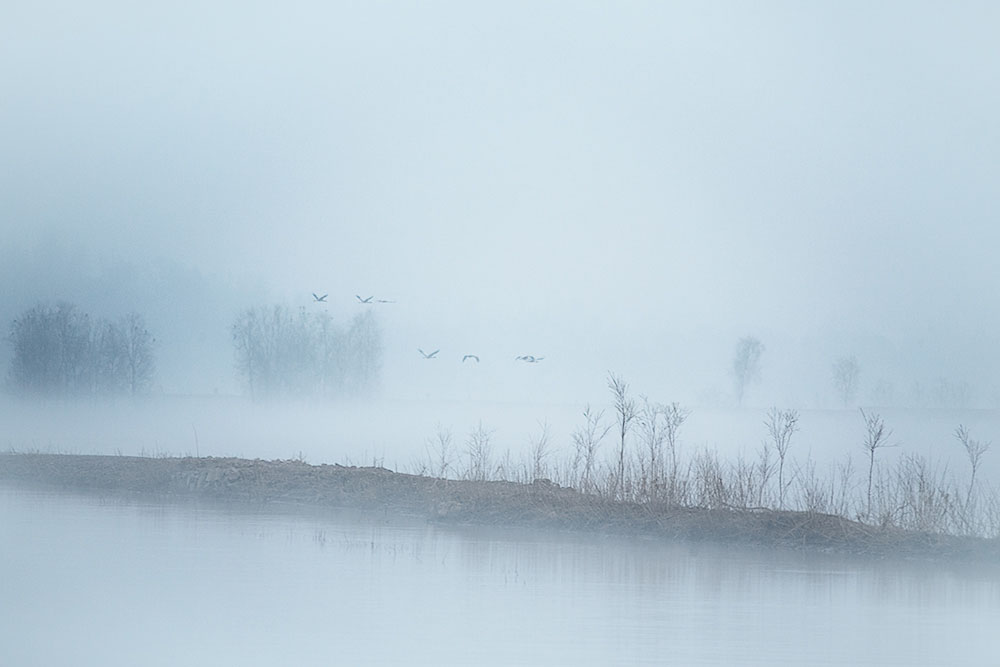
pixel 539 505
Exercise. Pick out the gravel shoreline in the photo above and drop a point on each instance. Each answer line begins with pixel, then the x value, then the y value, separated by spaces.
pixel 540 504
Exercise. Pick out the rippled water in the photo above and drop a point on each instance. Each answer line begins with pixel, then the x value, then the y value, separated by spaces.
pixel 91 582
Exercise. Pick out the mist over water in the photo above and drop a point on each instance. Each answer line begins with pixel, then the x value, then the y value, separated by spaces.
pixel 599 188
pixel 119 584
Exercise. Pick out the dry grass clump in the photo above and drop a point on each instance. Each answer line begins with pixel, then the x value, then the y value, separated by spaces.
pixel 644 464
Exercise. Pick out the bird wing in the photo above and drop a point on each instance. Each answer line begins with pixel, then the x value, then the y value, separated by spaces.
pixel 433 353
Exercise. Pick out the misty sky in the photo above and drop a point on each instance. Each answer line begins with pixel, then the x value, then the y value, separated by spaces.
pixel 610 185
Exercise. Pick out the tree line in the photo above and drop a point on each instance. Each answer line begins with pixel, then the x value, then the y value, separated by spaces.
pixel 285 353
pixel 61 351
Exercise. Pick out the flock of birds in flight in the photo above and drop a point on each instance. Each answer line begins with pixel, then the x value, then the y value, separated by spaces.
pixel 322 299
pixel 526 358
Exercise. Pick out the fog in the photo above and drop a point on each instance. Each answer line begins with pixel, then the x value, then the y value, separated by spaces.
pixel 596 188
pixel 625 189
pixel 629 188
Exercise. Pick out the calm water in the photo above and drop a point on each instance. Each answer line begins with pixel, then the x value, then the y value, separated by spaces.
pixel 91 582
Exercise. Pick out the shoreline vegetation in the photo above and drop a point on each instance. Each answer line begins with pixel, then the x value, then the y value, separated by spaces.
pixel 539 504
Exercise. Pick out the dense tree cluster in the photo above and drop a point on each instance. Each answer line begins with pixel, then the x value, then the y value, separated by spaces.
pixel 285 353
pixel 61 351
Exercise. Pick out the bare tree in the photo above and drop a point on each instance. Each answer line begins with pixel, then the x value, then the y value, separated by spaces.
pixel 586 440
pixel 883 393
pixel 540 451
pixel 297 349
pixel 276 351
pixel 659 429
pixel 58 351
pixel 951 394
pixel 110 362
pixel 846 372
pixel 674 417
pixel 652 432
pixel 137 352
pixel 441 458
pixel 250 353
pixel 479 448
pixel 74 333
pixel 764 471
pixel 364 353
pixel 281 353
pixel 974 450
pixel 330 361
pixel 781 425
pixel 626 413
pixel 746 365
pixel 34 367
pixel 876 438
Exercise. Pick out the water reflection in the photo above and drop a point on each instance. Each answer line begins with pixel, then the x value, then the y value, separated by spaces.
pixel 109 583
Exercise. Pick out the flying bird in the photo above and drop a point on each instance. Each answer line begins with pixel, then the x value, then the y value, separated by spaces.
pixel 428 356
pixel 529 359
pixel 319 299
pixel 360 300
pixel 470 356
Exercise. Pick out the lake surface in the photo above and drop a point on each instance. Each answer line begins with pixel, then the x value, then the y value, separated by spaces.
pixel 85 581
